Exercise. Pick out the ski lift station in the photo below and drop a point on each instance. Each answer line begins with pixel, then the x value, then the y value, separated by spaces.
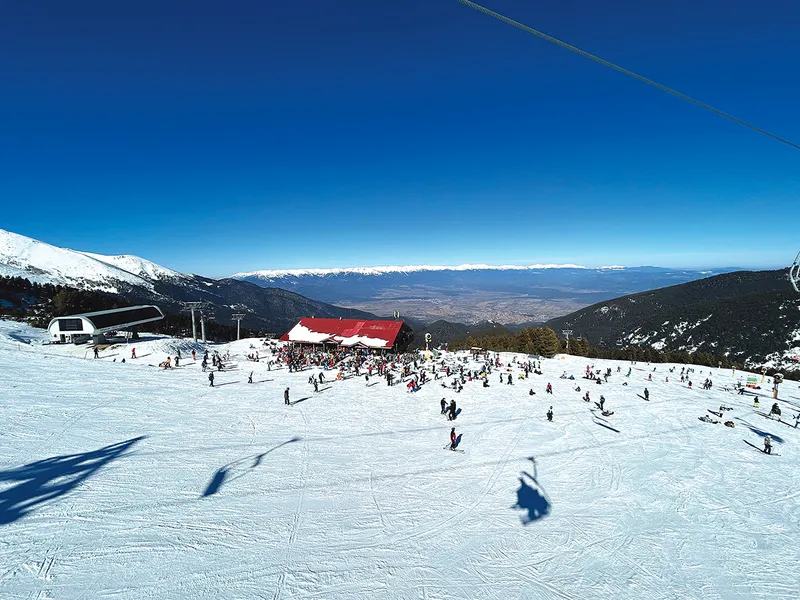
pixel 94 325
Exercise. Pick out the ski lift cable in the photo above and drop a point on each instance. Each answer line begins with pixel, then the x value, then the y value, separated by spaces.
pixel 624 71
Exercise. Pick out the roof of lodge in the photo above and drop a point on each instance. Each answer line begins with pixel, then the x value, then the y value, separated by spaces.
pixel 345 332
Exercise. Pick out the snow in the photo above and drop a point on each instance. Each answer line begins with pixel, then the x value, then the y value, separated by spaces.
pixel 138 266
pixel 128 481
pixel 280 273
pixel 22 256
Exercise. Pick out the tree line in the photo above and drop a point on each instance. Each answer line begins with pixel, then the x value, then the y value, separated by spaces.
pixel 39 303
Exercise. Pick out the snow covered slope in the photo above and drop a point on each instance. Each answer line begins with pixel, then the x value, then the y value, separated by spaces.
pixel 21 256
pixel 142 281
pixel 126 481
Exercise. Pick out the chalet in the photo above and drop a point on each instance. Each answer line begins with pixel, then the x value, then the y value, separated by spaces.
pixel 393 336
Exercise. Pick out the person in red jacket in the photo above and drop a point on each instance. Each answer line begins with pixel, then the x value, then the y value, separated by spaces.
pixel 453 438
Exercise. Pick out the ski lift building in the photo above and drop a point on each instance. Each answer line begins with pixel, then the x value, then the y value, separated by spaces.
pixel 94 325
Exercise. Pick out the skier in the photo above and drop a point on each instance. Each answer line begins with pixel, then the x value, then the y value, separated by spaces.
pixel 194 355
pixel 796 420
pixel 250 378
pixel 316 385
pixel 549 388
pixel 452 415
pixel 768 445
pixel 550 414
pixel 510 382
pixel 453 438
pixel 775 410
pixel 286 396
pixel 646 394
pixel 177 359
pixel 133 353
pixel 96 352
pixel 755 402
pixel 211 379
pixel 444 406
pixel 602 402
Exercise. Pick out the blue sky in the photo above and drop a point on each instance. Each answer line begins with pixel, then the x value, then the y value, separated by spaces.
pixel 221 137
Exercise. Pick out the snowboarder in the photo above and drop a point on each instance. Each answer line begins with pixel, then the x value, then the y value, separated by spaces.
pixel 531 392
pixel 250 378
pixel 755 402
pixel 286 396
pixel 646 394
pixel 510 382
pixel 453 438
pixel 586 397
pixel 550 414
pixel 96 352
pixel 768 445
pixel 775 410
pixel 211 379
pixel 549 388
pixel 444 406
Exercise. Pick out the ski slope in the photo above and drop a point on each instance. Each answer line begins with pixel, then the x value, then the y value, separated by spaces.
pixel 129 482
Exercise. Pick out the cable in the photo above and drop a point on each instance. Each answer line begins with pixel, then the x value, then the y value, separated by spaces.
pixel 623 70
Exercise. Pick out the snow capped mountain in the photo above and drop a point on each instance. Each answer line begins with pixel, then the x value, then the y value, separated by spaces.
pixel 21 256
pixel 281 273
pixel 138 266
pixel 472 293
pixel 142 281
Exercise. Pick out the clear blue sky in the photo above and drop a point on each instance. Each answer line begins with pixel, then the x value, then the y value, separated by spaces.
pixel 228 136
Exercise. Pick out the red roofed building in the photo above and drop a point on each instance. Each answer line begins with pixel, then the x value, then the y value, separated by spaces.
pixel 351 333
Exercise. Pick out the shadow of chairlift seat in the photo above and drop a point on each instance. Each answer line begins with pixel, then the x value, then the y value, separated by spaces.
pixel 532 498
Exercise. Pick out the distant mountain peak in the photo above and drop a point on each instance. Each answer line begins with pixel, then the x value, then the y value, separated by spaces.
pixel 383 270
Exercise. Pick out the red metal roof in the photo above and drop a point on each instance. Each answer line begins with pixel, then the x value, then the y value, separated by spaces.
pixel 342 329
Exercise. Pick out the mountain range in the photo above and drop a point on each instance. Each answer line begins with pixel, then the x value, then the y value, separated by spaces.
pixel 508 294
pixel 139 280
pixel 749 316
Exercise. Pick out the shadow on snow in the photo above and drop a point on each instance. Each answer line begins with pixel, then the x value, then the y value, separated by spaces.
pixel 239 468
pixel 761 433
pixel 531 498
pixel 48 479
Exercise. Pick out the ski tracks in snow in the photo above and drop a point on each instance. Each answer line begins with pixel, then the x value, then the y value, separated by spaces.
pixel 298 513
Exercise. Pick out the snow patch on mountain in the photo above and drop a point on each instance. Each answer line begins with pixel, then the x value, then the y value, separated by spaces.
pixel 280 273
pixel 21 256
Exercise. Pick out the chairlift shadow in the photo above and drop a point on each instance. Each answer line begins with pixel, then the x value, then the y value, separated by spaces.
pixel 761 433
pixel 51 478
pixel 226 383
pixel 596 422
pixel 532 498
pixel 300 400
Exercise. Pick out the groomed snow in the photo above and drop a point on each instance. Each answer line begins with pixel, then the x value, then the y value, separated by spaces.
pixel 129 482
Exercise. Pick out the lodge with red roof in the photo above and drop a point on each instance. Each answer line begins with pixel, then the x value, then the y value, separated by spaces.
pixel 351 333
